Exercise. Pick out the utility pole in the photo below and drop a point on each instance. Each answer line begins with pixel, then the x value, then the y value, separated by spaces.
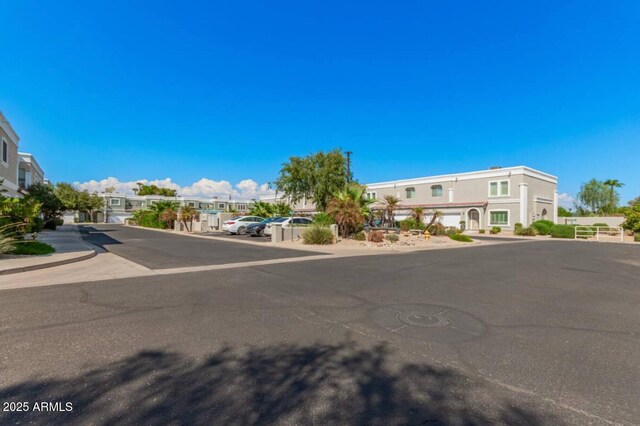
pixel 348 165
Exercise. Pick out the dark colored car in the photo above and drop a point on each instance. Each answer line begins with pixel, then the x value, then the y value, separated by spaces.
pixel 257 229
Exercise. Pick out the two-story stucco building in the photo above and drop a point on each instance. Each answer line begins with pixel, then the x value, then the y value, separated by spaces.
pixel 29 171
pixel 482 199
pixel 120 207
pixel 8 158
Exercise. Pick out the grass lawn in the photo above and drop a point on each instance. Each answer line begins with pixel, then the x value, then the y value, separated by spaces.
pixel 32 248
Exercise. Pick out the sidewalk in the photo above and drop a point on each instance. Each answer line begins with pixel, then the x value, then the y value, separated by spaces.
pixel 69 245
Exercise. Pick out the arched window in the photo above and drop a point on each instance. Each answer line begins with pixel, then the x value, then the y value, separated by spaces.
pixel 436 191
pixel 544 214
pixel 410 192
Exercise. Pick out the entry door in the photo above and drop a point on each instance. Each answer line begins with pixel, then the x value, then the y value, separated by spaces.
pixel 474 219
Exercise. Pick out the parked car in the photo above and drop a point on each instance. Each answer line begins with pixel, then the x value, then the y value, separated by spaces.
pixel 288 221
pixel 257 229
pixel 238 224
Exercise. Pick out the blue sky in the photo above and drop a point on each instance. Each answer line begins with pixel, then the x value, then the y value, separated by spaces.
pixel 229 90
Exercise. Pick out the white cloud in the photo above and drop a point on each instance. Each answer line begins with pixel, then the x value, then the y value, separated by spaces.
pixel 206 188
pixel 565 200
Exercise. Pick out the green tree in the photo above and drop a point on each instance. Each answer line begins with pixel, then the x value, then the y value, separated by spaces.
pixel 594 198
pixel 187 214
pixel 51 206
pixel 262 209
pixel 417 213
pixel 316 177
pixel 282 209
pixel 632 219
pixel 562 212
pixel 614 197
pixel 67 195
pixel 154 190
pixel 634 202
pixel 346 211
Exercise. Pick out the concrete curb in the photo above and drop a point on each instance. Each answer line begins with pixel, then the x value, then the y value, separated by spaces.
pixel 51 264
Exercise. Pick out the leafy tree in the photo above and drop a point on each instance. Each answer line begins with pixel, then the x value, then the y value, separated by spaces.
pixel 562 212
pixel 164 211
pixel 316 177
pixel 18 214
pixel 51 206
pixel 632 219
pixel 67 195
pixel 634 202
pixel 282 209
pixel 594 198
pixel 154 190
pixel 614 197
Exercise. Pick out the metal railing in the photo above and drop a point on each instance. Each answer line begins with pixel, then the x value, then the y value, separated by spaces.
pixel 600 233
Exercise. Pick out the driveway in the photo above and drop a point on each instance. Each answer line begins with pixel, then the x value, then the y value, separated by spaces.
pixel 537 333
pixel 161 250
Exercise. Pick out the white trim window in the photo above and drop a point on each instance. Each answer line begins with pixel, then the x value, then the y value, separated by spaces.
pixel 5 152
pixel 410 192
pixel 499 188
pixel 372 195
pixel 221 206
pixel 499 218
pixel 436 191
pixel 114 201
pixel 191 204
pixel 242 207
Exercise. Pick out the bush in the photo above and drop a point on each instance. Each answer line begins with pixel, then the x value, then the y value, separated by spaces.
pixel 549 223
pixel 481 231
pixel 32 248
pixel 600 224
pixel 495 230
pixel 542 227
pixel 452 230
pixel 323 219
pixel 376 236
pixel 360 236
pixel 317 234
pixel 37 224
pixel 51 224
pixel 636 237
pixel 461 237
pixel 437 229
pixel 563 231
pixel 517 226
pixel 394 238
pixel 58 221
pixel 527 232
pixel 408 224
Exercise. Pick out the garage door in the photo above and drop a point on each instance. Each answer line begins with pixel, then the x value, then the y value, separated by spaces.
pixel 449 219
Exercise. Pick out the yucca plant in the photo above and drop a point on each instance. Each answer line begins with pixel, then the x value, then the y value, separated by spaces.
pixel 7 238
pixel 392 203
pixel 417 213
pixel 187 214
pixel 347 213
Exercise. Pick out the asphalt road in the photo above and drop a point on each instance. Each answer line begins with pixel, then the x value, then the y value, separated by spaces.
pixel 160 250
pixel 518 333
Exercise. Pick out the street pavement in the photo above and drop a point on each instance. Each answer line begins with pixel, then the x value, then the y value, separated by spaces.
pixel 540 333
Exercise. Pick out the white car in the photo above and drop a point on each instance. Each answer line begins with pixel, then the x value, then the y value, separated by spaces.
pixel 238 224
pixel 287 222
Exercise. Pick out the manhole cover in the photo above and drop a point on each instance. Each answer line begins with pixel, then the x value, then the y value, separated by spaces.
pixel 429 322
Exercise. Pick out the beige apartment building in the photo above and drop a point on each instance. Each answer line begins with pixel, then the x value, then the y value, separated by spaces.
pixel 8 158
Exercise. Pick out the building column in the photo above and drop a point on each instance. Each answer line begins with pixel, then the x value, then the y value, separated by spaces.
pixel 451 195
pixel 524 207
pixel 555 206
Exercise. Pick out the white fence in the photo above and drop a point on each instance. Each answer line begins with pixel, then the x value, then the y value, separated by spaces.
pixel 600 233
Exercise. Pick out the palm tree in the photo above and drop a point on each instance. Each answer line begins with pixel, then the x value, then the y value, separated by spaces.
pixel 262 209
pixel 391 205
pixel 417 213
pixel 282 209
pixel 187 214
pixel 613 196
pixel 346 211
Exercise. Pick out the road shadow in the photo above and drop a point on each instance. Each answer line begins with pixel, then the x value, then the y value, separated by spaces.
pixel 97 237
pixel 284 384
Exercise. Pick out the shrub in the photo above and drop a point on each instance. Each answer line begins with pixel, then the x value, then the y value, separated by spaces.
pixel 636 237
pixel 451 231
pixel 323 219
pixel 32 248
pixel 437 229
pixel 58 221
pixel 632 219
pixel 408 224
pixel 495 230
pixel 549 223
pixel 37 224
pixel 376 236
pixel 481 231
pixel 527 232
pixel 542 227
pixel 51 224
pixel 317 234
pixel 517 226
pixel 563 231
pixel 600 224
pixel 360 236
pixel 394 238
pixel 461 237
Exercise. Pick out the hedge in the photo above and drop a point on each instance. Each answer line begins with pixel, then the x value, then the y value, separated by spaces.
pixel 563 231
